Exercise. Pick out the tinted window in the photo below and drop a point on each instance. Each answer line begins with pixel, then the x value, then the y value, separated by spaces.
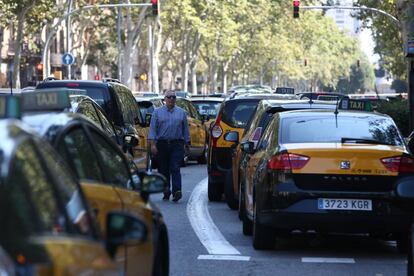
pixel 78 152
pixel 28 203
pixel 115 169
pixel 106 125
pixel 69 190
pixel 182 104
pixel 237 113
pixel 193 110
pixel 86 108
pixel 128 106
pixel 319 129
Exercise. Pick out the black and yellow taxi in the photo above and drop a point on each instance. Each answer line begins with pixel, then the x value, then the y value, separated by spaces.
pixel 233 115
pixel 105 175
pixel 119 105
pixel 254 129
pixel 328 171
pixel 198 133
pixel 207 106
pixel 47 227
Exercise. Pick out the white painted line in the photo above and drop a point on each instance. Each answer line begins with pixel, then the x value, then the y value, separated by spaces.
pixel 328 260
pixel 200 219
pixel 224 257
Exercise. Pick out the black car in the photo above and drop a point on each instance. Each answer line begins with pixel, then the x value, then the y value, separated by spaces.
pixel 119 104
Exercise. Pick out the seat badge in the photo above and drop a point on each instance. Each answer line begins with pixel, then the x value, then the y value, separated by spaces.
pixel 345 165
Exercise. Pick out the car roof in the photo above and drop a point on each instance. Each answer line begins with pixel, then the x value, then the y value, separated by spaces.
pixel 85 83
pixel 324 112
pixel 206 99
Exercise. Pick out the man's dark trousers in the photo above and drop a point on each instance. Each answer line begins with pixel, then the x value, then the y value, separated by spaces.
pixel 170 157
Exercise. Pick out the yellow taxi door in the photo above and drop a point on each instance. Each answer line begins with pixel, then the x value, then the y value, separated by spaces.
pixel 235 163
pixel 102 199
pixel 140 258
pixel 78 256
pixel 141 150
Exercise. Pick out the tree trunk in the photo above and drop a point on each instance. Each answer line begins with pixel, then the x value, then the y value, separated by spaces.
pixel 21 17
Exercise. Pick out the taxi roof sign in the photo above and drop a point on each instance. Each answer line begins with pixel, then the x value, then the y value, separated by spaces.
pixel 10 107
pixel 350 104
pixel 55 99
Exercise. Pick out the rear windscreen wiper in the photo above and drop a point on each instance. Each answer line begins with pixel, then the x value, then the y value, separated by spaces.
pixel 364 141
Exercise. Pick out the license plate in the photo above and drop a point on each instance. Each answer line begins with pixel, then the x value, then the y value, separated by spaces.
pixel 344 204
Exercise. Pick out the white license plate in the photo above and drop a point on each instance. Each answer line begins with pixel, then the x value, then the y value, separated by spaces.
pixel 344 204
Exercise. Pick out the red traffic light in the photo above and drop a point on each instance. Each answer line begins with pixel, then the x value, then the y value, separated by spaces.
pixel 39 66
pixel 154 7
pixel 296 4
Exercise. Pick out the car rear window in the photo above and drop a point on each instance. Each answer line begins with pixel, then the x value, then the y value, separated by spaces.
pixel 238 113
pixel 207 108
pixel 328 129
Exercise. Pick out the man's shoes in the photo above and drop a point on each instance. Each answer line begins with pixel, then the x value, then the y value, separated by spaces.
pixel 177 196
pixel 166 196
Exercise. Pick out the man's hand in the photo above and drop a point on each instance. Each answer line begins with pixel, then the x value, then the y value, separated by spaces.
pixel 154 150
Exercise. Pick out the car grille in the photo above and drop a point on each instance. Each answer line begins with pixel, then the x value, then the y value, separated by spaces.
pixel 359 183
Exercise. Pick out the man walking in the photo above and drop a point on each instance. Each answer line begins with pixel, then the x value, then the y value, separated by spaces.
pixel 169 137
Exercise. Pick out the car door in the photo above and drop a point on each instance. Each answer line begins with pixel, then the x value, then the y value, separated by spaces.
pixel 78 152
pixel 192 125
pixel 116 173
pixel 38 212
pixel 200 129
pixel 133 124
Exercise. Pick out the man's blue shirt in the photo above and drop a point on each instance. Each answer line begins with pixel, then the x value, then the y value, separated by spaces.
pixel 169 125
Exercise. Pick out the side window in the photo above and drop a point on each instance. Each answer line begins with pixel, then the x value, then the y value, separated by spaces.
pixel 267 134
pixel 129 108
pixel 69 190
pixel 183 105
pixel 86 108
pixel 28 200
pixel 194 111
pixel 114 165
pixel 107 126
pixel 78 152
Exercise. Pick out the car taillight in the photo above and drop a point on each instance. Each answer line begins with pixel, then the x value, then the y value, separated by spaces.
pixel 216 130
pixel 287 161
pixel 402 164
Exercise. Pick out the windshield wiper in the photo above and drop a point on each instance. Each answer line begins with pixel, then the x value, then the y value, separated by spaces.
pixel 364 141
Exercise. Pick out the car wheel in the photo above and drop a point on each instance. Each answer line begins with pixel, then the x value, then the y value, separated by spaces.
pixel 403 243
pixel 410 263
pixel 202 159
pixel 229 191
pixel 263 236
pixel 185 161
pixel 161 261
pixel 214 191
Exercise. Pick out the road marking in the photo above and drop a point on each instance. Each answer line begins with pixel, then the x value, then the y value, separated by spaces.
pixel 328 260
pixel 224 257
pixel 200 219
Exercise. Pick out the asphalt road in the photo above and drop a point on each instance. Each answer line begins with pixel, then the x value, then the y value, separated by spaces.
pixel 206 239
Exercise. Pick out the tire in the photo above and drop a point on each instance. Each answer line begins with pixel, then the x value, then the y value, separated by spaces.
pixel 214 191
pixel 229 191
pixel 403 243
pixel 410 263
pixel 263 236
pixel 161 264
pixel 246 222
pixel 202 159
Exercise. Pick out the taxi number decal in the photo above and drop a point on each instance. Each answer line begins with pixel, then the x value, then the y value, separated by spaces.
pixel 345 204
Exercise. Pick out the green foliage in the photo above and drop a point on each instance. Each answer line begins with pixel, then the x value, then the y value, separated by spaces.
pixel 398 110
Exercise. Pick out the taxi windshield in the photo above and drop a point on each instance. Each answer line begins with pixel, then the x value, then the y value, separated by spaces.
pixel 327 129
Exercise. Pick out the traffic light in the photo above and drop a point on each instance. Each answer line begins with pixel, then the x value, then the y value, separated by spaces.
pixel 39 71
pixel 305 62
pixel 358 62
pixel 296 4
pixel 154 7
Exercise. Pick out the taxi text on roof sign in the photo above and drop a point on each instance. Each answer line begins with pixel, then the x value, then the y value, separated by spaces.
pixel 9 107
pixel 46 100
pixel 349 104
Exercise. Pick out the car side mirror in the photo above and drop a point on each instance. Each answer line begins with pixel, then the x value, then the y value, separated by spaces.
pixel 130 140
pixel 124 229
pixel 148 117
pixel 151 183
pixel 247 147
